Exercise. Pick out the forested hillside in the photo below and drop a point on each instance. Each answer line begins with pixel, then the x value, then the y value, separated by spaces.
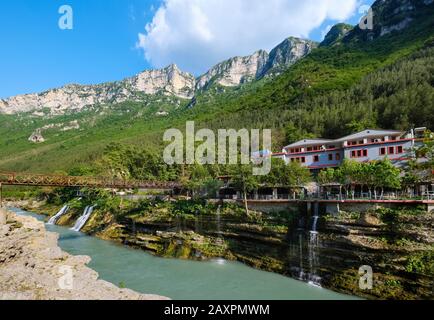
pixel 383 81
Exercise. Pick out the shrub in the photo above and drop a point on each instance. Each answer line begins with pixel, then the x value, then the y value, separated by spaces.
pixel 421 263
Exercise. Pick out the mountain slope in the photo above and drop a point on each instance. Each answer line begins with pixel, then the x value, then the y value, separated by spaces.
pixel 336 34
pixel 358 81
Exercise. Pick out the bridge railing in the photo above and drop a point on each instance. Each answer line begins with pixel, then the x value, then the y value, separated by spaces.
pixel 29 179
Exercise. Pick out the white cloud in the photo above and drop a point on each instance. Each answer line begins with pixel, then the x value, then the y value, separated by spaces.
pixel 196 34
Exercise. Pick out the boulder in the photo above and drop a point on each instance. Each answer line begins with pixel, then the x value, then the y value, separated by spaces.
pixel 368 219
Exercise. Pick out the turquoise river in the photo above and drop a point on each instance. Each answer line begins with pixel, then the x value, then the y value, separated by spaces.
pixel 183 279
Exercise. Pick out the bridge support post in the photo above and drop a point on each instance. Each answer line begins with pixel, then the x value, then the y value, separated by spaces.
pixel 3 217
pixel 3 213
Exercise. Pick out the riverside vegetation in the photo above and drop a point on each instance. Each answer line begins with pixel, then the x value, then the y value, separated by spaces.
pixel 398 244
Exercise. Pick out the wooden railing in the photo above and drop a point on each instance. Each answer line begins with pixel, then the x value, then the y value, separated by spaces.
pixel 42 180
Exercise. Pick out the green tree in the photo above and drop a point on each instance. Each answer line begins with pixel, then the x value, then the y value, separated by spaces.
pixel 297 175
pixel 349 173
pixel 386 175
pixel 198 176
pixel 294 133
pixel 286 175
pixel 244 181
pixel 327 176
pixel 426 150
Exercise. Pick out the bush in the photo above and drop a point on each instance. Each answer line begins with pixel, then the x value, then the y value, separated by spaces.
pixel 421 263
pixel 186 207
pixel 392 215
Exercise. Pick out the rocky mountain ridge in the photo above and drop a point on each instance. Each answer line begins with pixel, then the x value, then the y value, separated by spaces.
pixel 169 81
pixel 239 70
pixel 390 16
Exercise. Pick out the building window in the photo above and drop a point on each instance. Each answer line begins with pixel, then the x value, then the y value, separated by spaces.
pixel 330 157
pixel 309 149
pixel 303 159
pixel 292 159
pixel 382 151
pixel 338 156
pixel 399 149
pixel 358 153
pixel 391 150
pixel 316 158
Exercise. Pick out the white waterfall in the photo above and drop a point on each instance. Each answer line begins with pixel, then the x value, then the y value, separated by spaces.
pixel 300 254
pixel 313 278
pixel 83 218
pixel 315 216
pixel 53 219
pixel 218 226
pixel 218 220
pixel 314 224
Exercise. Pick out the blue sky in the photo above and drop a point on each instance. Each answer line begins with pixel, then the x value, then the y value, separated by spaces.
pixel 109 40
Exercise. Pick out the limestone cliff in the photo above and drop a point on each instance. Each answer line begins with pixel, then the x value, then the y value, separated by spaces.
pixel 391 16
pixel 286 54
pixel 239 70
pixel 168 81
pixel 234 71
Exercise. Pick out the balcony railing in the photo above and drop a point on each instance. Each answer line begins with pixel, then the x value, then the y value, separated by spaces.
pixel 428 195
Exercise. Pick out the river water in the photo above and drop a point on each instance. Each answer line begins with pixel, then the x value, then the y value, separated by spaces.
pixel 183 279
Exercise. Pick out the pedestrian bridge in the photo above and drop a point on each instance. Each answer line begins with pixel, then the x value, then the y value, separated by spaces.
pixel 44 180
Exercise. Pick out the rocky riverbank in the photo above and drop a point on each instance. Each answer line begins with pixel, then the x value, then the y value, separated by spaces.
pixel 398 245
pixel 33 267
